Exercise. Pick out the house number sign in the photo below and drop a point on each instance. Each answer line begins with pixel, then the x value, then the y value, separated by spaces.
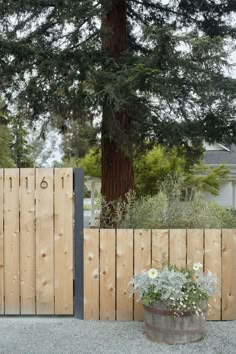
pixel 44 184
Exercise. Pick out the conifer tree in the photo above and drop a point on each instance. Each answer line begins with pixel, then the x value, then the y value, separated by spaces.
pixel 152 69
pixel 5 151
pixel 21 150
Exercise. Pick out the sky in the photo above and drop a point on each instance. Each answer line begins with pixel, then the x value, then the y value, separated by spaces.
pixel 52 151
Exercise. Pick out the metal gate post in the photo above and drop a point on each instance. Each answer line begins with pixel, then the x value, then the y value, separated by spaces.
pixel 79 243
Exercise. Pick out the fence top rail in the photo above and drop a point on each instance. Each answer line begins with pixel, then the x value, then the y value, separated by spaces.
pixel 162 229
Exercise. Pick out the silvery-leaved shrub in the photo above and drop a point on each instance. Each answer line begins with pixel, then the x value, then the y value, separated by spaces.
pixel 167 209
pixel 180 289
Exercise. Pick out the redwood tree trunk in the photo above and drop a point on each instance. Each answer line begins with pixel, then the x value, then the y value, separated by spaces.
pixel 117 166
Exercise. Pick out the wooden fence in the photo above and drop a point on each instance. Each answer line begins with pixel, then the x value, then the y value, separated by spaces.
pixel 36 241
pixel 111 257
pixel 36 253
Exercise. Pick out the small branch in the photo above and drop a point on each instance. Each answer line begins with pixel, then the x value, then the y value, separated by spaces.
pixel 47 3
pixel 93 35
pixel 131 12
pixel 166 9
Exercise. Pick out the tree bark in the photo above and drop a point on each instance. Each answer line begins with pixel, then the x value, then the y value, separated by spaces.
pixel 117 165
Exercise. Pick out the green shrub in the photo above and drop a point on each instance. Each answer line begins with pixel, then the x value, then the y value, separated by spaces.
pixel 168 209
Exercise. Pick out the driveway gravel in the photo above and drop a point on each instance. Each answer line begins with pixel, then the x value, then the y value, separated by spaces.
pixel 69 335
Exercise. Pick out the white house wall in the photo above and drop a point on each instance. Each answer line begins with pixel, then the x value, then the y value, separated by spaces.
pixel 226 197
pixel 214 147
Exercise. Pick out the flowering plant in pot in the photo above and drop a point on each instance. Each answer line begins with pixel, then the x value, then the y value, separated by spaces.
pixel 175 301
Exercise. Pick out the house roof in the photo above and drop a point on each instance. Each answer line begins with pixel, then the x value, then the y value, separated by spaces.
pixel 224 156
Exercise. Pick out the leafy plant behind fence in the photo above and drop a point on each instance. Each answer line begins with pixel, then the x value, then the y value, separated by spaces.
pixel 172 207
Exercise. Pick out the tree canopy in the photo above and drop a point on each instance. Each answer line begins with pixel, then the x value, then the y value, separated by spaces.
pixel 160 165
pixel 148 69
pixel 5 151
pixel 21 150
pixel 15 149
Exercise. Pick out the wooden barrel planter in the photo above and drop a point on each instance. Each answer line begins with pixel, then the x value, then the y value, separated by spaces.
pixel 162 325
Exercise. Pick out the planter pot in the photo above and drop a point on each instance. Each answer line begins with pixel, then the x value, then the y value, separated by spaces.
pixel 163 326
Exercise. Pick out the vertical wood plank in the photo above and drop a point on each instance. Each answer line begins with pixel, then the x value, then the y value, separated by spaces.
pixel 178 247
pixel 213 264
pixel 142 261
pixel 44 242
pixel 63 194
pixel 107 274
pixel 124 274
pixel 11 241
pixel 228 274
pixel 160 247
pixel 1 246
pixel 91 274
pixel 195 251
pixel 27 240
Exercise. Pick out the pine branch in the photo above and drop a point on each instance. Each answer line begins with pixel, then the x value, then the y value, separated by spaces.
pixel 93 35
pixel 21 25
pixel 166 9
pixel 47 3
pixel 132 13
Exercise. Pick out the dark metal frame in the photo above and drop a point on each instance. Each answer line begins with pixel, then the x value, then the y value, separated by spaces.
pixel 79 243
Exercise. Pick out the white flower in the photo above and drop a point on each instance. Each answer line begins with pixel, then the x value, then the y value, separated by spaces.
pixel 152 273
pixel 197 266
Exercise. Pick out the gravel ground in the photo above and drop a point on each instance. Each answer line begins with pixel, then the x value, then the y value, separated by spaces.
pixel 69 335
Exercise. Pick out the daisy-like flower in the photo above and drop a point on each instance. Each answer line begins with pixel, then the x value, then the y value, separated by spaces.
pixel 197 266
pixel 152 273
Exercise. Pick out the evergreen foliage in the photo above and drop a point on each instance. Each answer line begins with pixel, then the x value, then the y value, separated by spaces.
pixel 90 163
pixel 5 152
pixel 78 139
pixel 15 150
pixel 21 150
pixel 167 79
pixel 5 139
pixel 159 165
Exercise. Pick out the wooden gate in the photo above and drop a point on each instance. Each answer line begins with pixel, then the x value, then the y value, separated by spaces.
pixel 36 241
